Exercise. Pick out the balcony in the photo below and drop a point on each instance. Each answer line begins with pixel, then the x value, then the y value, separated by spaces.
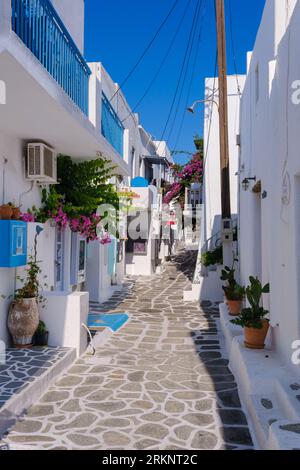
pixel 112 127
pixel 38 25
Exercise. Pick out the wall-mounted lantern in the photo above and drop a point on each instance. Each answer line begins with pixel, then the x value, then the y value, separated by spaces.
pixel 246 183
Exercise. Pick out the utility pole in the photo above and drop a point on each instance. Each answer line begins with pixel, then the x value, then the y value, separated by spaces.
pixel 227 233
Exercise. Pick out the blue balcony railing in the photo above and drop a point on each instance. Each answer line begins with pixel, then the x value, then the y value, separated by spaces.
pixel 112 128
pixel 38 25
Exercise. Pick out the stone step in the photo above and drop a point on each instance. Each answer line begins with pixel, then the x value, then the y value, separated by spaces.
pixel 26 376
pixel 263 410
pixel 284 435
pixel 288 395
pixel 270 394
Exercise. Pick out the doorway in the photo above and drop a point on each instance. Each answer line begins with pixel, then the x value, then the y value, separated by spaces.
pixel 59 260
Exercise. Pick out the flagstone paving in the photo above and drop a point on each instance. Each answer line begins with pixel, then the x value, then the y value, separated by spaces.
pixel 162 382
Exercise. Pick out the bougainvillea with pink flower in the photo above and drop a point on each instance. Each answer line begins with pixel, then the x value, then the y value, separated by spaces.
pixel 27 217
pixel 73 203
pixel 191 173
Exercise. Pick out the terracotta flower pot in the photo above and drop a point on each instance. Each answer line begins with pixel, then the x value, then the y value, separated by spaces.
pixel 16 213
pixel 6 212
pixel 234 307
pixel 23 321
pixel 255 338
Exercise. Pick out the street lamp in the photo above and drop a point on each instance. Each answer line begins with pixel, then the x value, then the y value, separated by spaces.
pixel 246 183
pixel 191 109
pixel 38 231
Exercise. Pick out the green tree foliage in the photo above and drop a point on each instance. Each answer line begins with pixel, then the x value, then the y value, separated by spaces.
pixel 84 185
pixel 199 144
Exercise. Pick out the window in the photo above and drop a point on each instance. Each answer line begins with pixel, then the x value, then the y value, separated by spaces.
pixel 257 90
pixel 132 163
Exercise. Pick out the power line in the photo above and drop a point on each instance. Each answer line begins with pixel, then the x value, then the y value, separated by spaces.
pixel 192 75
pixel 180 75
pixel 194 27
pixel 148 47
pixel 162 62
pixel 233 48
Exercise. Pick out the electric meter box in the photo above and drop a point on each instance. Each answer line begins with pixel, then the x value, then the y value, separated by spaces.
pixel 13 243
pixel 227 230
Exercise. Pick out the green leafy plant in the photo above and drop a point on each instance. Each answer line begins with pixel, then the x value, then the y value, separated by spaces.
pixel 13 205
pixel 232 289
pixel 85 185
pixel 42 329
pixel 253 316
pixel 236 293
pixel 31 284
pixel 211 258
pixel 228 275
pixel 82 188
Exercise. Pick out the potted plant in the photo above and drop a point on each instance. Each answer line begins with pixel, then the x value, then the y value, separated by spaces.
pixel 235 297
pixel 23 317
pixel 16 213
pixel 234 292
pixel 252 319
pixel 228 276
pixel 212 258
pixel 6 212
pixel 41 335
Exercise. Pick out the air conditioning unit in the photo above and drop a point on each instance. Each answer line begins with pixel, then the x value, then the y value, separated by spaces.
pixel 41 163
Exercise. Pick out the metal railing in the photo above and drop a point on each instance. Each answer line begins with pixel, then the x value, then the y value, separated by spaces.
pixel 112 128
pixel 38 25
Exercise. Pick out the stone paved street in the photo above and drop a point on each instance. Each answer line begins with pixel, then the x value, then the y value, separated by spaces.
pixel 161 383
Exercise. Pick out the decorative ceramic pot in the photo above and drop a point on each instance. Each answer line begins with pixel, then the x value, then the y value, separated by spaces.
pixel 16 213
pixel 255 338
pixel 234 307
pixel 23 321
pixel 6 212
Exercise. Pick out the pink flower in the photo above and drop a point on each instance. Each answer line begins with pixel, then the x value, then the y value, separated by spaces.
pixel 27 217
pixel 61 218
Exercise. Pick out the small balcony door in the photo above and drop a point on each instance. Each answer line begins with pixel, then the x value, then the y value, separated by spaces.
pixel 59 260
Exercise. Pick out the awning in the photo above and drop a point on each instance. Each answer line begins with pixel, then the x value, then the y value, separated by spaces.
pixel 156 160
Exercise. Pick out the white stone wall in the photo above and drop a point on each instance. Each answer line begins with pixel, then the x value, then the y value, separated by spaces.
pixel 211 185
pixel 270 123
pixel 102 82
pixel 71 13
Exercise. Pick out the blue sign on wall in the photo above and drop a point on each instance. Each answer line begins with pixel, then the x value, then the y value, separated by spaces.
pixel 139 182
pixel 13 243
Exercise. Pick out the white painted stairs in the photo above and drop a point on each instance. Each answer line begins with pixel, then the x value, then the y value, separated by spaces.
pixel 268 391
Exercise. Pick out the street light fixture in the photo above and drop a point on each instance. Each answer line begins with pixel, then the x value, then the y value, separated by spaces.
pixel 246 183
pixel 191 109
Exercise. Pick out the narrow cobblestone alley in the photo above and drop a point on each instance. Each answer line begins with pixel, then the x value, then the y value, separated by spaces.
pixel 161 383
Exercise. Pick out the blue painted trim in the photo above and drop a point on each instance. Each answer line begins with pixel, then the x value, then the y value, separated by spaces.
pixel 13 243
pixel 39 26
pixel 111 126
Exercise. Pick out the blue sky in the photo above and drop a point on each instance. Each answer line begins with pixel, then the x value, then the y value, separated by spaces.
pixel 118 31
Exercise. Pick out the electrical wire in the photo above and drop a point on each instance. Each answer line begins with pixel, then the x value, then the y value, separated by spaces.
pixel 148 47
pixel 192 75
pixel 233 48
pixel 180 76
pixel 195 24
pixel 162 62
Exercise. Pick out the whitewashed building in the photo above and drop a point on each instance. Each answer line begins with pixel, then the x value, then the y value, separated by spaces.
pixel 50 96
pixel 269 195
pixel 207 285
